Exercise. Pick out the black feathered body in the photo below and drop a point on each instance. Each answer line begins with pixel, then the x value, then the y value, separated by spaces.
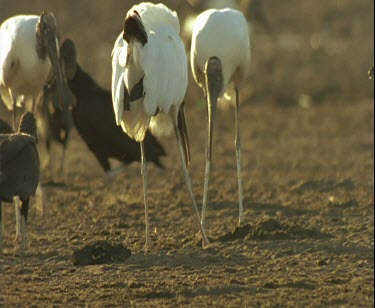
pixel 19 166
pixel 95 122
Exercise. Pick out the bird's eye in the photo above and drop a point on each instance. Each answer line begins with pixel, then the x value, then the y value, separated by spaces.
pixel 12 64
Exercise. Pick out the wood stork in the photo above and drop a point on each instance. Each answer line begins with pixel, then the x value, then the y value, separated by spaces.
pixel 28 56
pixel 220 60
pixel 149 81
pixel 19 169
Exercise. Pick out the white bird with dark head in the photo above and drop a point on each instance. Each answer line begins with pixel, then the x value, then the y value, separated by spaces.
pixel 220 60
pixel 28 57
pixel 149 82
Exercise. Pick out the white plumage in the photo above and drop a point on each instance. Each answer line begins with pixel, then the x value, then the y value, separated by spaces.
pixel 18 41
pixel 220 61
pixel 223 34
pixel 26 62
pixel 162 62
pixel 149 59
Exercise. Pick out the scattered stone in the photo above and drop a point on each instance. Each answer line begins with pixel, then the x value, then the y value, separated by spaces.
pixel 101 252
pixel 322 262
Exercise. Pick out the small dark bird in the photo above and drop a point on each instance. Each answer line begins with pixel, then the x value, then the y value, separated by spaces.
pixel 95 121
pixel 19 169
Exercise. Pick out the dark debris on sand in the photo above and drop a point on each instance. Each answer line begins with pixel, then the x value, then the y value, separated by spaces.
pixel 270 229
pixel 101 252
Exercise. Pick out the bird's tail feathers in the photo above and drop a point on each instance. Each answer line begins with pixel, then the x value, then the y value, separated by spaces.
pixel 135 122
pixel 161 125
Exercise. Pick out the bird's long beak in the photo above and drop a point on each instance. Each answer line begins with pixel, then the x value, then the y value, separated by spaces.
pixel 214 87
pixel 53 54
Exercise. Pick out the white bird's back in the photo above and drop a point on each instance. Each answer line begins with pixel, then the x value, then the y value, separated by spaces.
pixel 18 45
pixel 161 62
pixel 223 34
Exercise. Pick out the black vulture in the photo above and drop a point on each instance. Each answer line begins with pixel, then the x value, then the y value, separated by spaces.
pixel 19 168
pixel 95 121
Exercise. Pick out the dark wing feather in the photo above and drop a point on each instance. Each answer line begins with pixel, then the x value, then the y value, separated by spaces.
pixel 95 122
pixel 19 167
pixel 14 145
pixel 182 128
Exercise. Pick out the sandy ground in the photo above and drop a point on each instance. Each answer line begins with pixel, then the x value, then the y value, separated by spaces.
pixel 308 159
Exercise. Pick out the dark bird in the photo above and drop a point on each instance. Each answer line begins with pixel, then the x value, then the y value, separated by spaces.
pixel 19 169
pixel 95 121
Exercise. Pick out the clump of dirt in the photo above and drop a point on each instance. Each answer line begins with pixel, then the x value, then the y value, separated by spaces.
pixel 271 229
pixel 237 234
pixel 101 252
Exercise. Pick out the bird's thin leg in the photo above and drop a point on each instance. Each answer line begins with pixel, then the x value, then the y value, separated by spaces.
pixel 17 207
pixel 1 229
pixel 144 175
pixel 205 240
pixel 24 215
pixel 238 152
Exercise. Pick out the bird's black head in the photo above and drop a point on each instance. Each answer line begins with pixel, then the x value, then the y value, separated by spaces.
pixel 28 124
pixel 68 56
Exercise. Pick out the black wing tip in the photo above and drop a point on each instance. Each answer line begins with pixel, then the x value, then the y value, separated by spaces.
pixel 182 127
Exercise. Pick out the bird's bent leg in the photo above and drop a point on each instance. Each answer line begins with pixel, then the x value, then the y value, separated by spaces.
pixel 24 215
pixel 238 152
pixel 144 176
pixel 17 207
pixel 205 240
